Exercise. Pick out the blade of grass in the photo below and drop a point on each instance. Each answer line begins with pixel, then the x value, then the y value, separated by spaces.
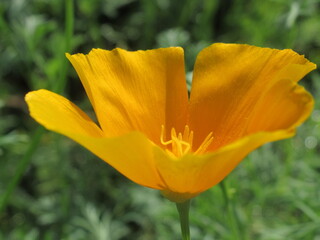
pixel 206 21
pixel 59 87
pixel 23 164
pixel 69 24
pixel 231 214
pixel 150 14
pixel 188 8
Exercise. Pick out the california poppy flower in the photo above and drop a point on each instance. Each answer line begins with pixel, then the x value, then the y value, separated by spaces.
pixel 150 130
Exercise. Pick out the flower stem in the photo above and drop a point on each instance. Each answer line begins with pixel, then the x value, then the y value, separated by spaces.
pixel 183 209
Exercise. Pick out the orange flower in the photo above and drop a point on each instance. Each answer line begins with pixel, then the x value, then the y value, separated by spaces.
pixel 149 130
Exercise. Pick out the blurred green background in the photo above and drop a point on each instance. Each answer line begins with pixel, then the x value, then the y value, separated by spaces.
pixel 51 188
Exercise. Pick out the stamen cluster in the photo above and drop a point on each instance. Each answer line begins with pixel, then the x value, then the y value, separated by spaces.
pixel 181 144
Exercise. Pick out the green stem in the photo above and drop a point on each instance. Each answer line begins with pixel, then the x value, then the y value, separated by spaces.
pixel 183 209
pixel 233 219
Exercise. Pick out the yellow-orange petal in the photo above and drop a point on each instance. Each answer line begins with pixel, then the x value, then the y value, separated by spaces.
pixel 285 105
pixel 135 90
pixel 229 80
pixel 192 174
pixel 131 154
pixel 58 114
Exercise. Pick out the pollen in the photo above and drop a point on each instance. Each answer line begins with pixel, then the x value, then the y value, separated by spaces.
pixel 181 143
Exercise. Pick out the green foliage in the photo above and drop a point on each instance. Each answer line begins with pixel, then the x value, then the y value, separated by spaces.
pixel 64 192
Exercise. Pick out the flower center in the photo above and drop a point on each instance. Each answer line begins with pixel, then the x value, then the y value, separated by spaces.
pixel 181 144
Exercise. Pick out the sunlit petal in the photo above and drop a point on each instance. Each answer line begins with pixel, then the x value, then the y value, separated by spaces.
pixel 131 154
pixel 60 115
pixel 135 90
pixel 285 105
pixel 230 80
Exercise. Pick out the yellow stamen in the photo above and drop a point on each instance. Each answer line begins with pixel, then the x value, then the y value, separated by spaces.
pixel 181 144
pixel 205 144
